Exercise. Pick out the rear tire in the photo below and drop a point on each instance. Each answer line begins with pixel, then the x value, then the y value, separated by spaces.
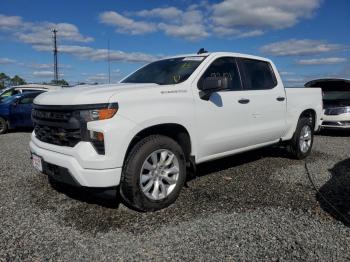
pixel 153 174
pixel 300 145
pixel 3 126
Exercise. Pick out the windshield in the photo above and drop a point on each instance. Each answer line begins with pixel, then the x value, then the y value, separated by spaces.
pixel 7 99
pixel 167 71
pixel 8 93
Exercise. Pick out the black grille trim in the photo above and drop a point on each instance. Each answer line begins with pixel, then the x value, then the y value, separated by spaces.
pixel 58 135
pixel 74 107
pixel 58 126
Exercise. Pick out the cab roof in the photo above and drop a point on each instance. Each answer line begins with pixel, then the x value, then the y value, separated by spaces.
pixel 220 54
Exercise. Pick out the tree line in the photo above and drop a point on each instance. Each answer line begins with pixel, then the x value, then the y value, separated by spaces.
pixel 6 81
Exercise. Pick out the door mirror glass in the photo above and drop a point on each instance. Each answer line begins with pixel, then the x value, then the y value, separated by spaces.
pixel 214 83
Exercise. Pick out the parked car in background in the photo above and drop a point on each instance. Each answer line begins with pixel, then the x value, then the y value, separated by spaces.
pixel 15 90
pixel 336 102
pixel 15 111
pixel 170 115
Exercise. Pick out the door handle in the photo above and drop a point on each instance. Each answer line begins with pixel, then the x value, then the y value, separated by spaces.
pixel 280 98
pixel 243 101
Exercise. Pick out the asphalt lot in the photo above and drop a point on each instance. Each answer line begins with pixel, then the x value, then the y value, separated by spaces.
pixel 255 206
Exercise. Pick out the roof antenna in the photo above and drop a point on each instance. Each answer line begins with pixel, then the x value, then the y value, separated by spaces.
pixel 202 51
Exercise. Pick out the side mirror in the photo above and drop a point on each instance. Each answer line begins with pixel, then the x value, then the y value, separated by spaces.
pixel 210 85
pixel 15 102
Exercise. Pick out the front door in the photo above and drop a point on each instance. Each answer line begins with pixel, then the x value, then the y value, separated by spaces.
pixel 223 122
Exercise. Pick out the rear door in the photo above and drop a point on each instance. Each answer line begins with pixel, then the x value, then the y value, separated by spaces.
pixel 21 112
pixel 266 100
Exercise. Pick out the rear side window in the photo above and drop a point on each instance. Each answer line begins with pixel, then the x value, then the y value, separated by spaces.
pixel 258 75
pixel 29 98
pixel 224 67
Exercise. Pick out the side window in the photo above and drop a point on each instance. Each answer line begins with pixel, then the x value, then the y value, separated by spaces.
pixel 224 67
pixel 29 98
pixel 258 75
pixel 26 100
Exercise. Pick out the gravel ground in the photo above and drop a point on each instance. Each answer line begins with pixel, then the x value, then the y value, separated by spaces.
pixel 255 206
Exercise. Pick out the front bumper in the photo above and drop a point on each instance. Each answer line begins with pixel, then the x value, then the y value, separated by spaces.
pixel 341 121
pixel 335 125
pixel 87 177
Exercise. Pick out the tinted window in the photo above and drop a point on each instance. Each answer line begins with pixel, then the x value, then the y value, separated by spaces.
pixel 167 71
pixel 224 67
pixel 258 74
pixel 10 92
pixel 29 98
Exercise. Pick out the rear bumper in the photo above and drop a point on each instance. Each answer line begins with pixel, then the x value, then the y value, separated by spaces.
pixel 63 163
pixel 334 125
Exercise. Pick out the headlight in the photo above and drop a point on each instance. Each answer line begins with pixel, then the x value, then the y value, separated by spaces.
pixel 337 111
pixel 99 114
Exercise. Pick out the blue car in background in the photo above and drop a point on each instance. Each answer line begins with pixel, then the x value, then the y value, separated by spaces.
pixel 15 111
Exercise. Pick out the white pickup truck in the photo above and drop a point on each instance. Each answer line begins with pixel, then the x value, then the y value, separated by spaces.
pixel 144 133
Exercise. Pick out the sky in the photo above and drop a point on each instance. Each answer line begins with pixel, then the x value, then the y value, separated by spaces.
pixel 307 39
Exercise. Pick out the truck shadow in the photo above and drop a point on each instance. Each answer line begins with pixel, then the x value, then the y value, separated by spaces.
pixel 110 197
pixel 105 197
pixel 335 133
pixel 334 196
pixel 239 159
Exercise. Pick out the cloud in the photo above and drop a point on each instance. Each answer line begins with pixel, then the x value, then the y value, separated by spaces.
pixel 286 73
pixel 126 25
pixel 303 47
pixel 171 20
pixel 165 13
pixel 322 61
pixel 9 22
pixel 39 36
pixel 101 77
pixel 190 32
pixel 5 60
pixel 89 53
pixel 261 14
pixel 45 66
pixel 228 18
pixel 44 74
pixel 40 33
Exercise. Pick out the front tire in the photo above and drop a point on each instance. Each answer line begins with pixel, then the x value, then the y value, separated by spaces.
pixel 3 126
pixel 299 147
pixel 153 174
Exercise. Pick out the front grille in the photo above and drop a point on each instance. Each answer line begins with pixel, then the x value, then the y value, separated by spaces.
pixel 57 135
pixel 58 127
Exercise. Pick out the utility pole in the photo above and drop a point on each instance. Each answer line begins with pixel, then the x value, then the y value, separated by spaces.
pixel 55 56
pixel 109 64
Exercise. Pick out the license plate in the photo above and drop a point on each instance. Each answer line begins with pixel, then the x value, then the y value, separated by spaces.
pixel 37 162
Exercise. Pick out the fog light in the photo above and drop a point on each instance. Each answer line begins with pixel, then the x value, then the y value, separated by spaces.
pixel 97 140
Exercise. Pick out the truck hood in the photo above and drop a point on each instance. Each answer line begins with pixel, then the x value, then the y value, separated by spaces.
pixel 92 94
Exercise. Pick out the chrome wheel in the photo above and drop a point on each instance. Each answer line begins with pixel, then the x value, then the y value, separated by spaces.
pixel 2 125
pixel 159 174
pixel 305 138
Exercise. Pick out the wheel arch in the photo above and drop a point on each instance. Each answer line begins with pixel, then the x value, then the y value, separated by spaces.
pixel 173 130
pixel 311 114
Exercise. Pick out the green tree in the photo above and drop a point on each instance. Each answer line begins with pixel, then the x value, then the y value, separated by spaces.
pixel 16 81
pixel 4 80
pixel 61 82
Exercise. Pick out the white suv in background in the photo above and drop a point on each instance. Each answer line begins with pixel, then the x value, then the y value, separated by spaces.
pixel 336 102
